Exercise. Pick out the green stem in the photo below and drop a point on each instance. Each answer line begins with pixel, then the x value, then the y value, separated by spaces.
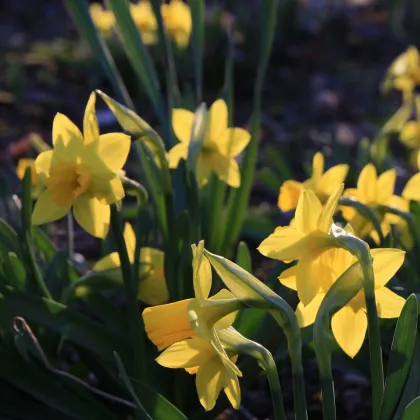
pixel 217 197
pixel 328 397
pixel 70 235
pixel 136 326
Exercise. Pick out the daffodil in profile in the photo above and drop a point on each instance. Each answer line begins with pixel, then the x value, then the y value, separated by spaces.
pixel 177 19
pixel 152 288
pixel 145 20
pixel 220 146
pixel 197 356
pixel 375 191
pixel 404 72
pixel 321 183
pixel 103 19
pixel 307 238
pixel 80 173
pixel 349 324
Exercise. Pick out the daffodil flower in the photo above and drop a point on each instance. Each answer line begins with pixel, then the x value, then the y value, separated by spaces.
pixel 178 22
pixel 321 183
pixel 152 288
pixel 80 172
pixel 306 240
pixel 349 324
pixel 404 72
pixel 374 191
pixel 145 20
pixel 197 356
pixel 220 146
pixel 103 19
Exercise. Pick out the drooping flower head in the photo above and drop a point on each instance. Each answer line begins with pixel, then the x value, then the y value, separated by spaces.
pixel 349 324
pixel 145 20
pixel 220 145
pixel 404 72
pixel 80 172
pixel 321 183
pixel 177 19
pixel 305 240
pixel 152 288
pixel 375 191
pixel 103 19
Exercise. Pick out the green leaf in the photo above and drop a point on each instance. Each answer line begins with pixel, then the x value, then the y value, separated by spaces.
pixel 412 411
pixel 56 275
pixel 400 357
pixel 152 402
pixel 15 271
pixel 138 54
pixel 80 13
pixel 197 43
pixel 243 257
pixel 9 236
pixel 43 243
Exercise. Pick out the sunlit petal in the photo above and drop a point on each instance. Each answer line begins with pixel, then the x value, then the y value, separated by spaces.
pixel 306 314
pixel 204 169
pixel 130 240
pixel 46 210
pixel 43 162
pixel 232 388
pixel 388 303
pixel 233 141
pixel 289 195
pixel 366 184
pixel 217 120
pixel 307 213
pixel 67 139
pixel 90 122
pixel 288 278
pixel 328 211
pixel 284 244
pixel 386 262
pixel 317 166
pixel 349 326
pixel 178 152
pixel 332 178
pixel 182 122
pixel 110 261
pixel 201 272
pixel 92 215
pixel 209 382
pixel 385 186
pixel 227 169
pixel 411 190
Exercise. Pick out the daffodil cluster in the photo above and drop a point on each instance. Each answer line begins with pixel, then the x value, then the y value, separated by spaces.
pixel 176 17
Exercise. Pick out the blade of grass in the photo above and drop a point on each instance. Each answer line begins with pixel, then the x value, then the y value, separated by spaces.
pixel 80 13
pixel 197 43
pixel 238 199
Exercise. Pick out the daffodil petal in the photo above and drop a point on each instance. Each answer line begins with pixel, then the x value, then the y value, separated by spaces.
pixel 317 166
pixel 43 162
pixel 67 139
pixel 285 244
pixel 288 278
pixel 182 123
pixel 232 388
pixel 349 326
pixel 92 215
pixel 130 239
pixel 153 290
pixel 233 141
pixel 385 185
pixel 209 382
pixel 227 169
pixel 366 184
pixel 388 303
pixel 386 262
pixel 227 320
pixel 186 354
pixel 411 190
pixel 332 178
pixel 307 212
pixel 410 134
pixel 217 120
pixel 110 261
pixel 289 195
pixel 203 169
pixel 107 190
pixel 90 122
pixel 46 210
pixel 108 153
pixel 178 152
pixel 306 314
pixel 310 272
pixel 326 217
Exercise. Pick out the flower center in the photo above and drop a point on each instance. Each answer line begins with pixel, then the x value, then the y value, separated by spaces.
pixel 67 181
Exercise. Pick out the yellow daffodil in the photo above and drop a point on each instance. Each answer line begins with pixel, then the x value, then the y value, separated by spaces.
pixel 145 20
pixel 321 183
pixel 349 324
pixel 374 191
pixel 103 19
pixel 36 182
pixel 80 173
pixel 404 72
pixel 198 356
pixel 220 146
pixel 178 22
pixel 306 240
pixel 152 288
